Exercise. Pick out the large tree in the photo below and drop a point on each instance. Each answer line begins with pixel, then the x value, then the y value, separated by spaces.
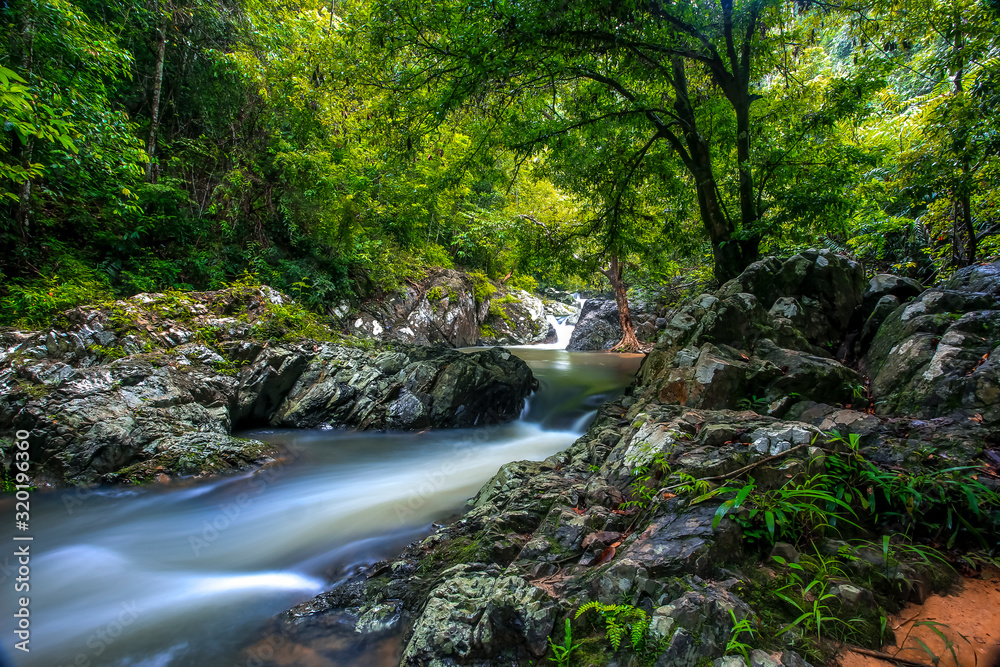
pixel 685 72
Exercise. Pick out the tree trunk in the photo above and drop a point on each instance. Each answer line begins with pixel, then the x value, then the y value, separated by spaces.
pixel 628 343
pixel 23 215
pixel 965 248
pixel 718 225
pixel 26 30
pixel 966 252
pixel 154 125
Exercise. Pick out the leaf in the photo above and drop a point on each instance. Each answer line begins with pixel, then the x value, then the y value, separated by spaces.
pixel 605 556
pixel 769 521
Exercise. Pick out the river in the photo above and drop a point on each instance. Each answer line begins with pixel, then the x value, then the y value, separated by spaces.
pixel 187 574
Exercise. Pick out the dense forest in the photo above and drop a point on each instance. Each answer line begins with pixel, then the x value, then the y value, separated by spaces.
pixel 337 149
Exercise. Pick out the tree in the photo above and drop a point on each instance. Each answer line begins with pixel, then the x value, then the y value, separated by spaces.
pixel 649 64
pixel 937 128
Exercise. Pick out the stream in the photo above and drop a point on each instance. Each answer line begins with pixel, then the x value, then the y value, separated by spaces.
pixel 187 574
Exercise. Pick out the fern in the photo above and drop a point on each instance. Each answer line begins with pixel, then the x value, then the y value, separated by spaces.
pixel 620 619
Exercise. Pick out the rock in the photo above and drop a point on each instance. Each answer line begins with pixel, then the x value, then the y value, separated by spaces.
pixel 885 284
pixel 759 658
pixel 598 327
pixel 448 307
pixel 703 625
pixel 442 308
pixel 515 317
pixel 826 288
pixel 852 596
pixel 169 406
pixel 938 354
pixel 481 615
pixel 802 374
pixel 730 661
pixel 785 551
pixel 684 541
pixel 879 312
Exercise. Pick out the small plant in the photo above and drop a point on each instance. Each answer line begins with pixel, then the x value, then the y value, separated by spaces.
pixel 949 645
pixel 620 620
pixel 482 288
pixel 756 403
pixel 644 487
pixel 813 605
pixel 794 510
pixel 736 645
pixel 562 653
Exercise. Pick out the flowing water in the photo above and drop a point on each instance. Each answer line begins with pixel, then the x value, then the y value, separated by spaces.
pixel 188 573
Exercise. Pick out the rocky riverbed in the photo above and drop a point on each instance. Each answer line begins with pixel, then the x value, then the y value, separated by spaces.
pixel 685 513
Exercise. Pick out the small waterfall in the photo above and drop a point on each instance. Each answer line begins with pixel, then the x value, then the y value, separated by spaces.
pixel 563 331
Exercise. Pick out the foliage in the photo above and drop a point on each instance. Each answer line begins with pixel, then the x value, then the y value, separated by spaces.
pixel 561 653
pixel 743 626
pixel 620 621
pixel 339 151
pixel 796 511
pixel 949 504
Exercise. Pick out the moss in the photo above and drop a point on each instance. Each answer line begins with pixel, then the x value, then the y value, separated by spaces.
pixel 497 309
pixel 187 461
pixel 435 293
pixel 108 353
pixel 592 652
pixel 31 390
pixel 452 552
pixel 487 331
pixel 482 288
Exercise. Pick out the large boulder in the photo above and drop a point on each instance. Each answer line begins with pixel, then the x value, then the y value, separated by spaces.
pixel 764 340
pixel 515 317
pixel 939 354
pixel 450 307
pixel 441 309
pixel 598 327
pixel 156 384
pixel 825 287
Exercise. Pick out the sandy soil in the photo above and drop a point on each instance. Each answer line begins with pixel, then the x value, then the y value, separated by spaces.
pixel 969 617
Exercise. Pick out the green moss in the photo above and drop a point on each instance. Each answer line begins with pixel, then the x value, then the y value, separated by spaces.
pixel 108 353
pixel 482 288
pixel 435 293
pixel 31 390
pixel 452 552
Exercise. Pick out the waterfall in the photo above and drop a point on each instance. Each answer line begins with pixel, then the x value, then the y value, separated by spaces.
pixel 563 331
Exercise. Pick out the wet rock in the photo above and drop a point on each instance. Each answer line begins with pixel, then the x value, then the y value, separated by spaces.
pixel 684 541
pixel 703 624
pixel 937 355
pixel 598 327
pixel 476 613
pixel 169 407
pixel 515 317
